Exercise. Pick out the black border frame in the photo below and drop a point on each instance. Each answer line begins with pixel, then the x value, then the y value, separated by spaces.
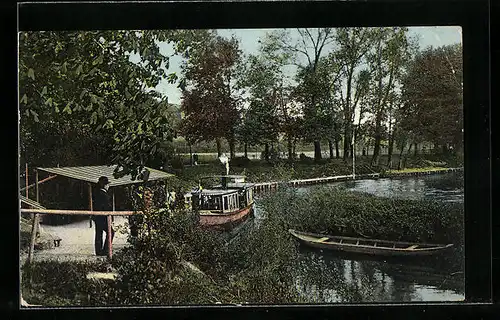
pixel 473 16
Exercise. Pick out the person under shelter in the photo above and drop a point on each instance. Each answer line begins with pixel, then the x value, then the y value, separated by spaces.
pixel 102 203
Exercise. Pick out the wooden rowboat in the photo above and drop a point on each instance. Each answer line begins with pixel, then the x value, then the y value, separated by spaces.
pixel 368 246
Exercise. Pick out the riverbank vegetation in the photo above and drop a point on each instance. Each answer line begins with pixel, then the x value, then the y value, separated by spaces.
pixel 175 262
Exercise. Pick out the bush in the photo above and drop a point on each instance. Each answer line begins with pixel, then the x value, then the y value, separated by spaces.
pixel 240 162
pixel 305 159
pixel 56 283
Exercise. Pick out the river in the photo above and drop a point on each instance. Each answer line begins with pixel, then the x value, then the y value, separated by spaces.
pixel 326 277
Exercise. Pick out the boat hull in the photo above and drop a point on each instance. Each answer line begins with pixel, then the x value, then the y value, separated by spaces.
pixel 225 221
pixel 367 250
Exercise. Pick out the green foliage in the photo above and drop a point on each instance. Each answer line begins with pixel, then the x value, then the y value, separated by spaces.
pixel 209 102
pixel 56 283
pixel 83 96
pixel 433 87
pixel 240 161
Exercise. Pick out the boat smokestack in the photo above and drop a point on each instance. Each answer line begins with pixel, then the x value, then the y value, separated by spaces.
pixel 225 161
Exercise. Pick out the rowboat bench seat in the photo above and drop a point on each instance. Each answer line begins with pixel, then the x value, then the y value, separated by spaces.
pixel 323 239
pixel 412 247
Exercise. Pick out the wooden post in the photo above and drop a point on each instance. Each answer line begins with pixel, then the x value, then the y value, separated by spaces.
pixel 37 189
pixel 108 234
pixel 33 238
pixel 90 203
pixel 34 225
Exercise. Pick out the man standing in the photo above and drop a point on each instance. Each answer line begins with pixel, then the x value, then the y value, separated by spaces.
pixel 101 203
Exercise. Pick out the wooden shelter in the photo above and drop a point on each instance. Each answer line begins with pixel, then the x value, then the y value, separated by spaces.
pixel 88 175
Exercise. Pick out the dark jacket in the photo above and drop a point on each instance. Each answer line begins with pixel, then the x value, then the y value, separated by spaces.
pixel 101 203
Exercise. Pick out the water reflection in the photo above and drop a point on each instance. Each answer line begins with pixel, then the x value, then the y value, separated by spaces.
pixel 356 279
pixel 360 280
pixel 442 187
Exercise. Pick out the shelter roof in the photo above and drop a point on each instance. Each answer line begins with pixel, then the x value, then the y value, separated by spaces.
pixel 92 174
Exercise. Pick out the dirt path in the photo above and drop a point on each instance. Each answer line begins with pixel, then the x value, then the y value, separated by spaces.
pixel 78 241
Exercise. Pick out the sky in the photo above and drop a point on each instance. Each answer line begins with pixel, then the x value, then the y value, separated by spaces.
pixel 427 36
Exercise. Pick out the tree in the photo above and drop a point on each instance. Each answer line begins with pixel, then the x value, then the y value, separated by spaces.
pixel 311 45
pixel 262 77
pixel 83 86
pixel 209 102
pixel 353 45
pixel 390 54
pixel 432 97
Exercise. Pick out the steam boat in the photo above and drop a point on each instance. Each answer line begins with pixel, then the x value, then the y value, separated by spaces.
pixel 225 205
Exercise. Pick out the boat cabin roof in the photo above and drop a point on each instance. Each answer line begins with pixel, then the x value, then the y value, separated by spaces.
pixel 233 176
pixel 216 192
pixel 238 185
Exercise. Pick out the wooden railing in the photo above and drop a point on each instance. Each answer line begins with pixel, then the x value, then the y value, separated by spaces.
pixel 81 212
pixel 37 212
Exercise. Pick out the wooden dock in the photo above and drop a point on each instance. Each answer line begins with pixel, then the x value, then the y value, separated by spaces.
pixel 271 186
pixel 265 187
pixel 333 179
pixel 420 173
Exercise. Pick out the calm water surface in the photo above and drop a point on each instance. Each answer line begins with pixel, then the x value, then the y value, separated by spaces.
pixel 326 277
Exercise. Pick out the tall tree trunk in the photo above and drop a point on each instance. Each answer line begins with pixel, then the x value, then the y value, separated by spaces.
pixel 336 139
pixel 219 147
pixel 337 151
pixel 232 147
pixel 444 149
pixel 330 146
pixel 406 155
pixel 317 150
pixel 415 151
pixel 246 150
pixel 290 148
pixel 378 139
pixel 376 150
pixel 401 153
pixel 190 155
pixel 390 149
pixel 266 151
pixel 347 115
